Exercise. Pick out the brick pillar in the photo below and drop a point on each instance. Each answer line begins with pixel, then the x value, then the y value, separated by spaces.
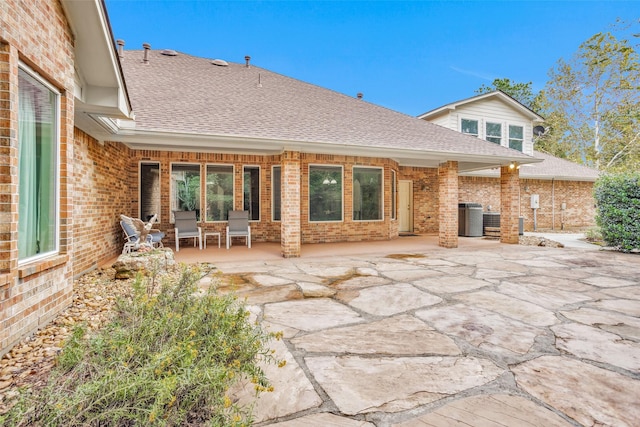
pixel 509 204
pixel 290 236
pixel 448 204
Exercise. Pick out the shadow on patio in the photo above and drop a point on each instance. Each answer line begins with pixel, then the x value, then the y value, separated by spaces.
pixel 271 251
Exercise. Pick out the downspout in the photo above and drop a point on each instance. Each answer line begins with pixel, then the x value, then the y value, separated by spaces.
pixel 553 203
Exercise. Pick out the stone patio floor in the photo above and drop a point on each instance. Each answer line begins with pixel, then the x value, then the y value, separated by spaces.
pixel 482 335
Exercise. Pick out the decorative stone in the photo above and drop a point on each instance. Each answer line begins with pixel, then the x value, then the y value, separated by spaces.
pixel 129 265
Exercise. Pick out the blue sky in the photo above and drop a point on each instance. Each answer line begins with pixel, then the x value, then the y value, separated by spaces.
pixel 409 56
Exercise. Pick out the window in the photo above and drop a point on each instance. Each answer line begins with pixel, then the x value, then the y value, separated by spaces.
pixel 149 190
pixel 276 192
pixel 251 192
pixel 219 192
pixel 469 126
pixel 515 137
pixel 38 107
pixel 325 193
pixel 367 194
pixel 494 132
pixel 185 188
pixel 394 195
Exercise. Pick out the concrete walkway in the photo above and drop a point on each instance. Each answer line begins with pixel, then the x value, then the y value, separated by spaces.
pixel 488 335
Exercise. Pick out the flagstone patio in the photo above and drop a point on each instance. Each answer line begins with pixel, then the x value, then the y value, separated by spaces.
pixel 484 335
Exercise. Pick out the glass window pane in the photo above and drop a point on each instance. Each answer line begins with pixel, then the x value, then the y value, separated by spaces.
pixel 276 188
pixel 185 188
pixel 494 132
pixel 219 192
pixel 251 192
pixel 470 127
pixel 149 191
pixel 325 193
pixel 38 168
pixel 516 137
pixel 367 194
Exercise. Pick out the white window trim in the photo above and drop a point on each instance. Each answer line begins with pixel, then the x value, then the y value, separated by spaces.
pixel 148 162
pixel 49 86
pixel 309 166
pixel 524 130
pixel 502 128
pixel 474 118
pixel 259 190
pixel 233 174
pixel 273 167
pixel 381 169
pixel 171 187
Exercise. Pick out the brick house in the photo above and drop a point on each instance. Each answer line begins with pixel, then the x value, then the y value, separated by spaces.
pixel 563 189
pixel 80 147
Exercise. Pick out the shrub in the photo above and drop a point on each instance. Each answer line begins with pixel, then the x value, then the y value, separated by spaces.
pixel 618 210
pixel 168 358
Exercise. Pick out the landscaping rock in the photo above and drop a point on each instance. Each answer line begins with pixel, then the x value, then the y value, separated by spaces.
pixel 130 265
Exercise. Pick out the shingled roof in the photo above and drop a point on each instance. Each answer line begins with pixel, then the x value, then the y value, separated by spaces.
pixel 187 102
pixel 551 167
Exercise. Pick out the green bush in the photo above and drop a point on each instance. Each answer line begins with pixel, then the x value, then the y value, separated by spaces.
pixel 618 210
pixel 167 359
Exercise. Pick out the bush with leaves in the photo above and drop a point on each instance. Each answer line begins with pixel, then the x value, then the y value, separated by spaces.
pixel 618 210
pixel 167 359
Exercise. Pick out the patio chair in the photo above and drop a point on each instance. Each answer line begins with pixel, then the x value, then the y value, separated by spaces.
pixel 186 227
pixel 238 227
pixel 136 233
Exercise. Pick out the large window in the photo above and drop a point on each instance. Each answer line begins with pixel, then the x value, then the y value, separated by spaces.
pixel 219 192
pixel 516 137
pixel 494 132
pixel 37 167
pixel 325 193
pixel 185 188
pixel 149 190
pixel 251 192
pixel 367 194
pixel 469 126
pixel 276 192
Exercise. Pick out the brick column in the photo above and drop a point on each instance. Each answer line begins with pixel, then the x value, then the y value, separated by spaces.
pixel 509 204
pixel 448 204
pixel 290 236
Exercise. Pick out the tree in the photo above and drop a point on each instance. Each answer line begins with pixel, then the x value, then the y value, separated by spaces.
pixel 521 92
pixel 598 92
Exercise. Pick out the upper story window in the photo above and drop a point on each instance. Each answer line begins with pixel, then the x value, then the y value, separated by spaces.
pixel 325 193
pixel 494 132
pixel 469 126
pixel 516 137
pixel 38 165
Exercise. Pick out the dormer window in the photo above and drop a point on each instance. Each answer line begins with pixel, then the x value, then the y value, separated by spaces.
pixel 469 127
pixel 494 132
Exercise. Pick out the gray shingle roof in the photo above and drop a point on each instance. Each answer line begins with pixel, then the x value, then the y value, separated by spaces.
pixel 550 167
pixel 189 95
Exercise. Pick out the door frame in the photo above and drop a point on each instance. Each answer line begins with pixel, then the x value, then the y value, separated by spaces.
pixel 405 206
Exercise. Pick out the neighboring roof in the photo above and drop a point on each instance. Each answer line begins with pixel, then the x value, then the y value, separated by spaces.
pixel 100 88
pixel 186 103
pixel 497 94
pixel 550 168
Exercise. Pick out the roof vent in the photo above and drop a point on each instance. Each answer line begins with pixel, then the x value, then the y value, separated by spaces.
pixel 359 95
pixel 169 52
pixel 120 44
pixel 220 62
pixel 246 60
pixel 146 47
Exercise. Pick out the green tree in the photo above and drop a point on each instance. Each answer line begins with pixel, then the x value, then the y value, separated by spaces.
pixel 521 92
pixel 598 92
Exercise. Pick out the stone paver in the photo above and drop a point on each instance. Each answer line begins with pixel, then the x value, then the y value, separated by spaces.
pixel 507 336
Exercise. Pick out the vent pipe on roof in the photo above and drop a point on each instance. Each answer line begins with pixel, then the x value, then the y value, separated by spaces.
pixel 146 47
pixel 359 95
pixel 120 44
pixel 246 60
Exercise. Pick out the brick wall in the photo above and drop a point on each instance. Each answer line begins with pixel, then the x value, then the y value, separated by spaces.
pixel 34 32
pixel 448 204
pixel 577 197
pixel 425 197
